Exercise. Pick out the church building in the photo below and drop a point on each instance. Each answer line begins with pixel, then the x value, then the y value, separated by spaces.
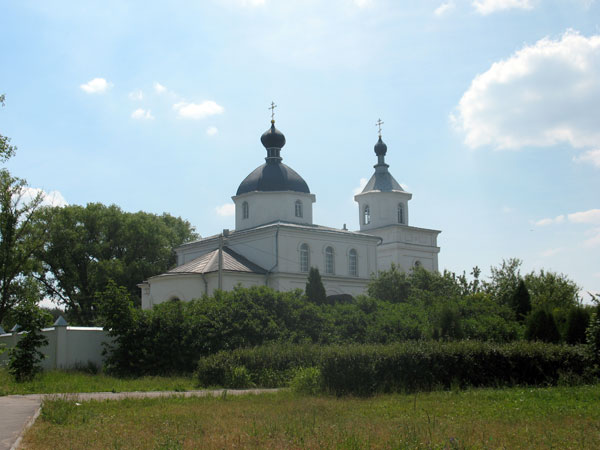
pixel 275 241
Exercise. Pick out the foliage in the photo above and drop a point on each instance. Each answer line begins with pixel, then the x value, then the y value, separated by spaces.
pixel 593 335
pixel 449 324
pixel 20 238
pixel 541 326
pixel 552 291
pixel 520 302
pixel 363 369
pixel 315 291
pixel 390 285
pixel 6 150
pixel 577 323
pixel 88 246
pixel 504 281
pixel 25 357
pixel 307 380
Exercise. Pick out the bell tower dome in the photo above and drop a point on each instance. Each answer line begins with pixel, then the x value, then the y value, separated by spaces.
pixel 383 201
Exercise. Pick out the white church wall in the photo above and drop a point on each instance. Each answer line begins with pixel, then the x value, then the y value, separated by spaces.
pixel 271 206
pixel 166 287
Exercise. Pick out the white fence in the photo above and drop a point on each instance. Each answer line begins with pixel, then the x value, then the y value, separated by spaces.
pixel 68 347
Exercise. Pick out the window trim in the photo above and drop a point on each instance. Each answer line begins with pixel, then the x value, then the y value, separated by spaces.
pixel 353 262
pixel 245 210
pixel 298 208
pixel 366 215
pixel 329 260
pixel 304 250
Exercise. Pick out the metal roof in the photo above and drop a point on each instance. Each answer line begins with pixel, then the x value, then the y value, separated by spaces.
pixel 209 262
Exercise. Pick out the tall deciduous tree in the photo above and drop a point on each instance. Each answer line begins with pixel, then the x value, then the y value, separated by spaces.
pixel 86 246
pixel 19 238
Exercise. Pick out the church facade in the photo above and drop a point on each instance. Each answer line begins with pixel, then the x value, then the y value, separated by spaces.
pixel 275 241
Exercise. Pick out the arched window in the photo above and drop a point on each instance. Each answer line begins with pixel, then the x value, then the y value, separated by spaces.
pixel 298 208
pixel 245 210
pixel 418 264
pixel 367 215
pixel 304 258
pixel 329 266
pixel 353 263
pixel 400 213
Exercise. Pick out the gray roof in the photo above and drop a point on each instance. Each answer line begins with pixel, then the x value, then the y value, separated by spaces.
pixel 209 262
pixel 382 180
pixel 273 176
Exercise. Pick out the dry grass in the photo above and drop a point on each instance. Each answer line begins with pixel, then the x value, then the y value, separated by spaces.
pixel 487 418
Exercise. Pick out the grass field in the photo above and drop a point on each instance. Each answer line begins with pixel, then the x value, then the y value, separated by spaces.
pixel 561 417
pixel 62 382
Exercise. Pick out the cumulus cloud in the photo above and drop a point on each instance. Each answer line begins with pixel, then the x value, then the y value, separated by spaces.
pixel 444 8
pixel 362 3
pixel 226 210
pixel 593 241
pixel 198 110
pixel 136 95
pixel 142 114
pixel 550 221
pixel 96 86
pixel 590 157
pixel 591 216
pixel 545 94
pixel 52 198
pixel 491 6
pixel 211 131
pixel 361 185
pixel 159 88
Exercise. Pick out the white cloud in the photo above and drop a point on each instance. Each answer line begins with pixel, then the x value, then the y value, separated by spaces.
pixel 211 131
pixel 361 185
pixel 549 221
pixel 490 6
pixel 251 3
pixel 52 198
pixel 136 95
pixel 142 114
pixel 363 3
pixel 594 241
pixel 545 94
pixel 96 86
pixel 159 88
pixel 592 157
pixel 507 209
pixel 444 8
pixel 198 110
pixel 591 216
pixel 551 252
pixel 226 210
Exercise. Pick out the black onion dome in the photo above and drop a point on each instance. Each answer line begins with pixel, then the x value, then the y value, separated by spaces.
pixel 273 138
pixel 380 148
pixel 273 175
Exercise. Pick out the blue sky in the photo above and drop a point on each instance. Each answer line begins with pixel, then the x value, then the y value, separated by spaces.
pixel 491 111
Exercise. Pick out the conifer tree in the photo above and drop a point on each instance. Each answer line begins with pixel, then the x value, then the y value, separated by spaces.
pixel 521 301
pixel 315 291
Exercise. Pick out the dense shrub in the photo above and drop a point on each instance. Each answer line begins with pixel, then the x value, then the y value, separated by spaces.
pixel 402 367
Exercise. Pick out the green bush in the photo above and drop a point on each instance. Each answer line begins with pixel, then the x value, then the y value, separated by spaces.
pixel 307 380
pixel 401 367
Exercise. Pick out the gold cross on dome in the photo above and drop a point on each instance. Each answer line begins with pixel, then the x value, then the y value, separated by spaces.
pixel 378 124
pixel 272 108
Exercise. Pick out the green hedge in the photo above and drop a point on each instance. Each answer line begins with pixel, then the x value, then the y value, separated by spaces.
pixel 402 367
